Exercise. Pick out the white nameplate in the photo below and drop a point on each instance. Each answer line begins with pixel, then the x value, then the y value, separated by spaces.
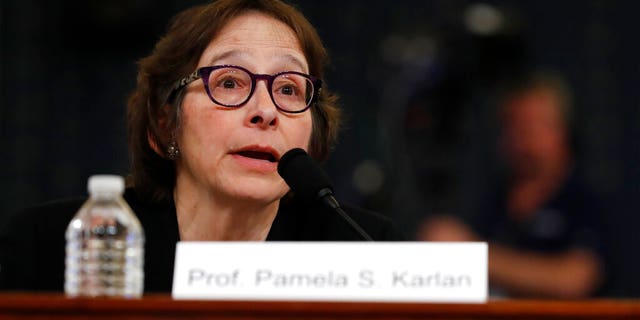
pixel 332 271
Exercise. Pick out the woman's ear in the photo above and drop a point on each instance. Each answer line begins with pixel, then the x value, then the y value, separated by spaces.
pixel 163 132
pixel 153 144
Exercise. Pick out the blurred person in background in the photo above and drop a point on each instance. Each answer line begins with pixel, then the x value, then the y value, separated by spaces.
pixel 541 222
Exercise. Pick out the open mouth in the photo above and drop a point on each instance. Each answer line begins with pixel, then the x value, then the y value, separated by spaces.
pixel 259 155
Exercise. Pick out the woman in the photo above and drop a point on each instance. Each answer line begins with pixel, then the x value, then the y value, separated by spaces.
pixel 231 87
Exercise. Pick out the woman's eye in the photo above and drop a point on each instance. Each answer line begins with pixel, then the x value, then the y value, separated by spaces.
pixel 288 90
pixel 228 83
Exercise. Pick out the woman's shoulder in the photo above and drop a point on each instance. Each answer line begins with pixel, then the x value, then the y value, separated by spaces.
pixel 40 221
pixel 62 204
pixel 51 213
pixel 59 210
pixel 32 245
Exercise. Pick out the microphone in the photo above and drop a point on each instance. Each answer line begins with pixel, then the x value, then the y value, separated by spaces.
pixel 310 183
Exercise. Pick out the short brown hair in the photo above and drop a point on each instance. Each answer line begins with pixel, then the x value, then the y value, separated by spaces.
pixel 152 120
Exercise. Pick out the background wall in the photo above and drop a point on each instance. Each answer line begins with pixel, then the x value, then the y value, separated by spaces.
pixel 416 78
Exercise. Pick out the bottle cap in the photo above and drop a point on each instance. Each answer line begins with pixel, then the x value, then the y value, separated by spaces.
pixel 105 183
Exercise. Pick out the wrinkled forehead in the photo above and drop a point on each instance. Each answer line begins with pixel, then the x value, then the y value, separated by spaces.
pixel 253 38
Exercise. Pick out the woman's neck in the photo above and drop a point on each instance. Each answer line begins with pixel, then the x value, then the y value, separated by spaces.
pixel 203 216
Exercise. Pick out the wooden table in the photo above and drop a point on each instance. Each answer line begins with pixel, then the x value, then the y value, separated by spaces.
pixel 56 306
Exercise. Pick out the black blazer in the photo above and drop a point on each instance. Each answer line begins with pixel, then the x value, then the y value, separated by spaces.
pixel 32 242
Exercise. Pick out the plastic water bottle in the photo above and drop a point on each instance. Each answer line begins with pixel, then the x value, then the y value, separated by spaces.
pixel 105 244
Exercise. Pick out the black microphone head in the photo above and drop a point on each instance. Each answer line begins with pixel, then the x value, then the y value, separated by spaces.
pixel 303 175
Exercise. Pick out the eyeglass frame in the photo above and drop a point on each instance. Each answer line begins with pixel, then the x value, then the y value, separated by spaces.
pixel 204 73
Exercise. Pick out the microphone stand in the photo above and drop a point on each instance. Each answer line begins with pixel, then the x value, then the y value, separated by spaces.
pixel 326 195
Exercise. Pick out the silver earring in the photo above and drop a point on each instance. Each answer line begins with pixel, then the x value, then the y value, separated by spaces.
pixel 173 152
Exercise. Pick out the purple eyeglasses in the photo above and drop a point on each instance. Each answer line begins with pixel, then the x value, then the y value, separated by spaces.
pixel 232 86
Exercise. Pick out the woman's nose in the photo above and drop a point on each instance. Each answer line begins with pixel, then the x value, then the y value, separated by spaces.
pixel 262 112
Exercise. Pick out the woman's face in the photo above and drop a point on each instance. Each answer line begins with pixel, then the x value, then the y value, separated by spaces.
pixel 230 152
